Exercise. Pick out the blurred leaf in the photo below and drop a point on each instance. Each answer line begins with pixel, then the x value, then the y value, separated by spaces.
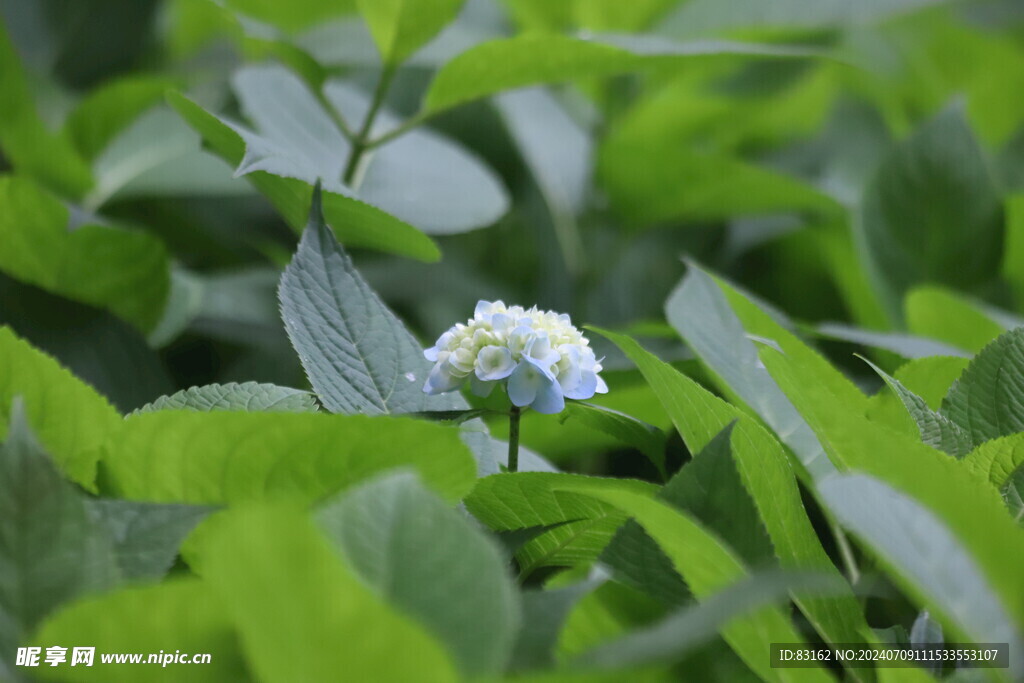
pixel 931 214
pixel 123 271
pixel 690 627
pixel 250 397
pixel 700 312
pixel 183 613
pixel 943 314
pixel 357 354
pixel 158 154
pixel 511 63
pixel 224 457
pixel 358 224
pixel 906 345
pixel 400 27
pixel 707 565
pixel 251 557
pixel 418 554
pixel 931 378
pixel 544 616
pixel 937 430
pixel 50 549
pixel 33 150
pixel 988 399
pixel 924 553
pixel 767 476
pixel 146 536
pixel 970 510
pixel 108 110
pixel 648 439
pixel 1013 256
pixel 70 418
pixel 296 15
pixel 612 15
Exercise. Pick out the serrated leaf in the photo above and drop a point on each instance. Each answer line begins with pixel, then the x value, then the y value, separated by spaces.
pixel 182 613
pixel 988 399
pixel 357 355
pixel 225 457
pixel 418 553
pixel 356 223
pixel 250 397
pixel 51 551
pixel 647 438
pixel 997 460
pixel 69 417
pixel 707 565
pixel 251 557
pixel 510 63
pixel 932 214
pixel 767 476
pixel 936 429
pixel 400 27
pixel 125 272
pixel 146 536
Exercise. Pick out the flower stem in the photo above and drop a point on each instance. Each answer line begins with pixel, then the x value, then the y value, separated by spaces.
pixel 513 438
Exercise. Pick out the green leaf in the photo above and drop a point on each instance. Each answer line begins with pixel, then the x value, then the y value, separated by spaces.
pixel 50 549
pixel 400 27
pixel 906 345
pixel 146 536
pixel 699 309
pixel 358 356
pixel 925 554
pixel 271 567
pixel 931 378
pixel 997 460
pixel 544 615
pixel 767 476
pixel 181 614
pixel 357 223
pixel 32 149
pixel 969 508
pixel 692 626
pixel 510 63
pixel 223 457
pixel 296 15
pixel 648 439
pixel 936 429
pixel 419 554
pixel 250 397
pixel 932 213
pixel 125 272
pixel 1013 257
pixel 988 399
pixel 707 565
pixel 943 314
pixel 109 109
pixel 71 420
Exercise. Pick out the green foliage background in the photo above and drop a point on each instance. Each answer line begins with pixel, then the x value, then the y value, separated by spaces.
pixel 214 438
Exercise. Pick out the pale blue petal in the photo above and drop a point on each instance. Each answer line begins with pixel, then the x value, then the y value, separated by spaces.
pixel 441 380
pixel 479 387
pixel 586 386
pixel 523 384
pixel 549 399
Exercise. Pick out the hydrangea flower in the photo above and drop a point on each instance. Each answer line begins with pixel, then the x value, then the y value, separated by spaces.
pixel 540 357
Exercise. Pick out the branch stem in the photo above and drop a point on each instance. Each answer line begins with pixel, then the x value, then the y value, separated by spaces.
pixel 513 438
pixel 361 140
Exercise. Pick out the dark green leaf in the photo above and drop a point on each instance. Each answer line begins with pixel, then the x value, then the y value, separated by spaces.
pixel 988 400
pixel 648 439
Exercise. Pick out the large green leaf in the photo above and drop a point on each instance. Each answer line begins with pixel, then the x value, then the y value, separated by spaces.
pixel 988 399
pixel 418 553
pixel 223 457
pixel 707 565
pixel 932 213
pixel 648 439
pixel 400 27
pixel 946 315
pixel 926 555
pixel 767 476
pixel 969 508
pixel 125 272
pixel 358 356
pixel 26 143
pixel 181 614
pixel 510 63
pixel 250 397
pixel 997 460
pixel 356 223
pixel 70 418
pixel 50 549
pixel 301 612
pixel 108 110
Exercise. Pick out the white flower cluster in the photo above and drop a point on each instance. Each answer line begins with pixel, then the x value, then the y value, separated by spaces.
pixel 543 358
